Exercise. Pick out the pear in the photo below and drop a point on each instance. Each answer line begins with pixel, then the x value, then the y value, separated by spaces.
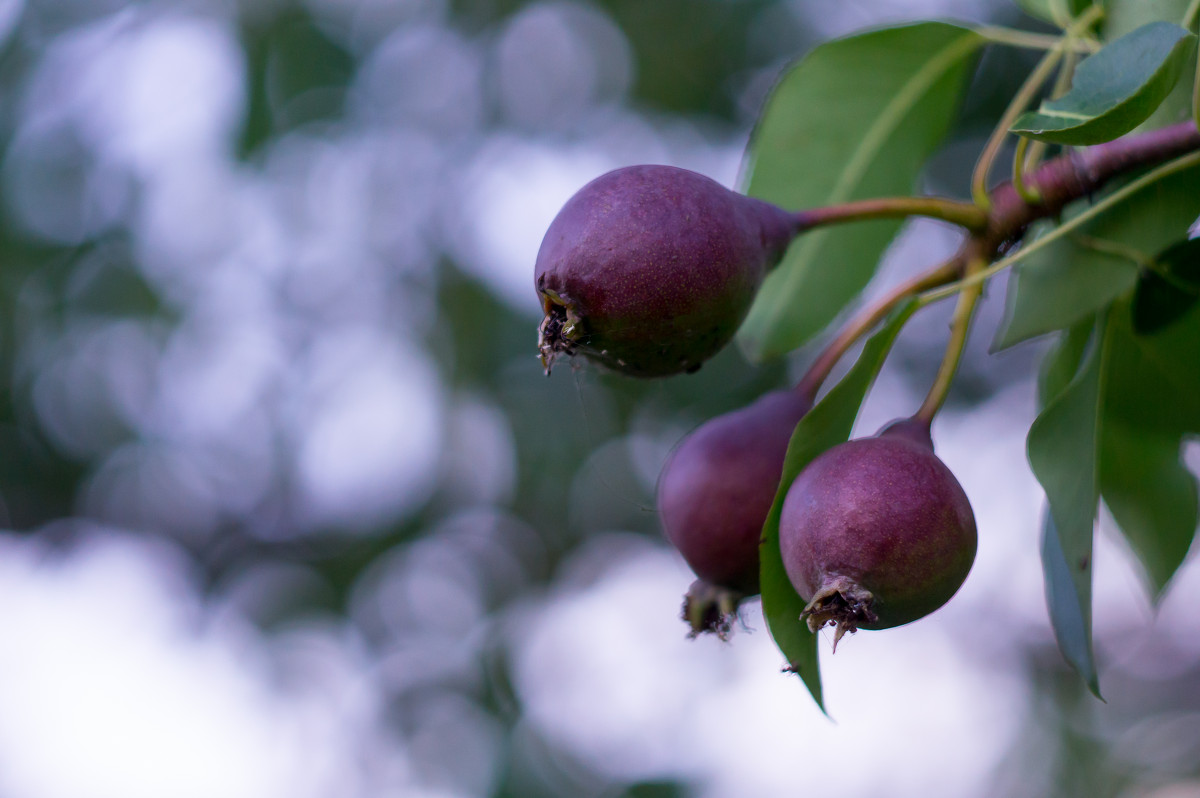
pixel 650 270
pixel 877 532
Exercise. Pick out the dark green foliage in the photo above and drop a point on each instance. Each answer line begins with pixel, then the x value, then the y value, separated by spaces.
pixel 1169 289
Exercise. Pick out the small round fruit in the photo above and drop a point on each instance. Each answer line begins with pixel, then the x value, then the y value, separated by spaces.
pixel 649 270
pixel 877 532
pixel 717 487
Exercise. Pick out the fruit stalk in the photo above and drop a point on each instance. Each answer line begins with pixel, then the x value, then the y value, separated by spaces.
pixel 820 369
pixel 1024 96
pixel 963 214
pixel 968 298
pixel 1057 183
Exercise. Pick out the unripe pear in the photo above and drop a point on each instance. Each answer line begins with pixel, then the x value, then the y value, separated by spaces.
pixel 877 532
pixel 717 487
pixel 649 270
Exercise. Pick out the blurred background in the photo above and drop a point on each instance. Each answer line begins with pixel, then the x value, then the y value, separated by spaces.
pixel 293 511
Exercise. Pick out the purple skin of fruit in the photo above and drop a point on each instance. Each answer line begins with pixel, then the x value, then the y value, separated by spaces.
pixel 877 532
pixel 650 270
pixel 717 487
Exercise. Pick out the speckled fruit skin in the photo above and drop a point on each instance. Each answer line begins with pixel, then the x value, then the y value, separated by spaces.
pixel 884 514
pixel 718 485
pixel 652 269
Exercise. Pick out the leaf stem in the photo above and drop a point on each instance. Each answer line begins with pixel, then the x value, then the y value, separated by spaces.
pixel 1032 41
pixel 1062 83
pixel 1061 14
pixel 866 320
pixel 1189 16
pixel 964 214
pixel 1027 192
pixel 1021 101
pixel 964 311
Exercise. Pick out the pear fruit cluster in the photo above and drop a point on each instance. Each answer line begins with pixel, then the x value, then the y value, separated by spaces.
pixel 649 271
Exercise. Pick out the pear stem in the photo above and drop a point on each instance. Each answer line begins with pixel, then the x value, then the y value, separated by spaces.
pixel 866 320
pixel 964 311
pixel 1033 41
pixel 963 214
pixel 1020 102
pixel 1057 182
pixel 1023 98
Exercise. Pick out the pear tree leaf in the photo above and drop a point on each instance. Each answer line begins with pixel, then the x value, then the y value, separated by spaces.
pixel 856 118
pixel 1047 294
pixel 1070 606
pixel 825 426
pixel 1061 363
pixel 1070 279
pixel 1151 495
pixel 1116 89
pixel 1169 290
pixel 1122 17
pixel 1151 403
pixel 1063 447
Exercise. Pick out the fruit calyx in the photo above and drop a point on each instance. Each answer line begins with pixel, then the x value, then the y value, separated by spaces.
pixel 560 330
pixel 710 609
pixel 840 602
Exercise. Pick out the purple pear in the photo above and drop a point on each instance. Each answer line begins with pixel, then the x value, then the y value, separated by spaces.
pixel 877 532
pixel 650 270
pixel 717 487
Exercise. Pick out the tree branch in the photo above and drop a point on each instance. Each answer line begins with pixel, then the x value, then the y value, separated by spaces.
pixel 1076 175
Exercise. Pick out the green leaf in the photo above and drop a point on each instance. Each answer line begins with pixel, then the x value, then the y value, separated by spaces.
pixel 1156 381
pixel 1195 84
pixel 1056 12
pixel 1114 90
pixel 1164 294
pixel 1061 363
pixel 1151 402
pixel 1069 279
pixel 1152 496
pixel 1070 610
pixel 1124 16
pixel 1150 407
pixel 1047 294
pixel 1062 447
pixel 856 118
pixel 826 425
